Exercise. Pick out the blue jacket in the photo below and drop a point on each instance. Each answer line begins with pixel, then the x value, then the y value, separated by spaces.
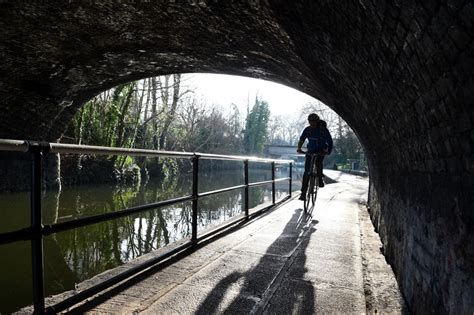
pixel 319 139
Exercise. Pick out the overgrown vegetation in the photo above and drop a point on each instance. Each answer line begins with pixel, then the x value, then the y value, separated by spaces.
pixel 162 113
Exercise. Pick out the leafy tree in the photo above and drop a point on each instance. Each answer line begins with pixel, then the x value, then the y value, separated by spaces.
pixel 255 133
pixel 347 145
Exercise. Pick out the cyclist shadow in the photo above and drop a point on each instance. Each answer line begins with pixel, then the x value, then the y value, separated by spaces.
pixel 309 215
pixel 271 291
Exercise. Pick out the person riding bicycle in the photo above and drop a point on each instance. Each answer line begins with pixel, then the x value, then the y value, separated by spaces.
pixel 320 142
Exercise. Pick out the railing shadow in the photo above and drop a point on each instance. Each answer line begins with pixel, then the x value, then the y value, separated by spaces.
pixel 300 225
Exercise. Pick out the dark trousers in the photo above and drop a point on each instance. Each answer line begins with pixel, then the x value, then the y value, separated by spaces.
pixel 307 170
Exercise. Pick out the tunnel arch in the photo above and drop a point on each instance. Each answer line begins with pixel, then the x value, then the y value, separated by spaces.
pixel 399 72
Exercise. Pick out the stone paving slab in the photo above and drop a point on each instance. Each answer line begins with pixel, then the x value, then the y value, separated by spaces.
pixel 187 299
pixel 251 273
pixel 343 272
pixel 297 296
pixel 263 244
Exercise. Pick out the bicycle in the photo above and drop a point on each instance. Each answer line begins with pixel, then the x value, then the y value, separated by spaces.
pixel 312 191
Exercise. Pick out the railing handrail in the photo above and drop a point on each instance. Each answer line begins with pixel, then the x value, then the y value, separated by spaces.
pixel 36 231
pixel 52 147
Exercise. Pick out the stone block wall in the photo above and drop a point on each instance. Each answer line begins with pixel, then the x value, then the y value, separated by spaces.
pixel 430 253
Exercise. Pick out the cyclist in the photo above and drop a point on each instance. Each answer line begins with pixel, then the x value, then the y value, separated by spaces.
pixel 320 142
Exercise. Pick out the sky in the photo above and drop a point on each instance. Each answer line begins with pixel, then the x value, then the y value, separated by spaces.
pixel 220 89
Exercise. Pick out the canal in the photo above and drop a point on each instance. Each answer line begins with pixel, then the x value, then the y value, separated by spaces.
pixel 79 254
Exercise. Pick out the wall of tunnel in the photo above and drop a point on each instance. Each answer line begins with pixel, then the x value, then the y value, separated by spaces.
pixel 399 72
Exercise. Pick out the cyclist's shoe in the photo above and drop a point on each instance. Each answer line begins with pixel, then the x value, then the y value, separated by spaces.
pixel 320 182
pixel 302 197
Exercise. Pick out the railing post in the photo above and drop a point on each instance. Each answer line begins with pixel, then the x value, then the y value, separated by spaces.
pixel 291 178
pixel 195 199
pixel 246 189
pixel 273 183
pixel 36 227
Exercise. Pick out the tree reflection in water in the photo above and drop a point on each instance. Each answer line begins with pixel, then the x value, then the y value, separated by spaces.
pixel 75 255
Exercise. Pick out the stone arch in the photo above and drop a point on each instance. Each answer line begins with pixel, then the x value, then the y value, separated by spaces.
pixel 399 72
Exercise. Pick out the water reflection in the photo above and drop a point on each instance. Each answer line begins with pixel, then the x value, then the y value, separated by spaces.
pixel 75 255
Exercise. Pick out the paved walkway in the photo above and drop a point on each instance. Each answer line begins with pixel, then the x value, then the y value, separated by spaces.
pixel 285 262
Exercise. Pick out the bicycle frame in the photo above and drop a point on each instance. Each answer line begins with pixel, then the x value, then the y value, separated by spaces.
pixel 313 168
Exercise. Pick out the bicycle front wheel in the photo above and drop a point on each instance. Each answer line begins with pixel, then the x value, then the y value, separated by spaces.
pixel 314 194
pixel 309 200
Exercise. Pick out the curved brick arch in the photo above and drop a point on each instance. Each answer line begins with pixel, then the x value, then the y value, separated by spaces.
pixel 400 73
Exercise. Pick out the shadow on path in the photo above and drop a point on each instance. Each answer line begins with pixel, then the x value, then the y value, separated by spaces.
pixel 261 282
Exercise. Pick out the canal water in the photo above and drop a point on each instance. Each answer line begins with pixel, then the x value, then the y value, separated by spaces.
pixel 79 254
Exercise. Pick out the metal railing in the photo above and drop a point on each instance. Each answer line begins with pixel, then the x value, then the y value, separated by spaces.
pixel 37 230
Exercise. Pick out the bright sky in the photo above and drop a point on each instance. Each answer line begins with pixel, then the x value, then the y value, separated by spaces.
pixel 223 90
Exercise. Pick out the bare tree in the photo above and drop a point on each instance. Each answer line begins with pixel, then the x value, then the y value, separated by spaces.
pixel 169 110
pixel 324 112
